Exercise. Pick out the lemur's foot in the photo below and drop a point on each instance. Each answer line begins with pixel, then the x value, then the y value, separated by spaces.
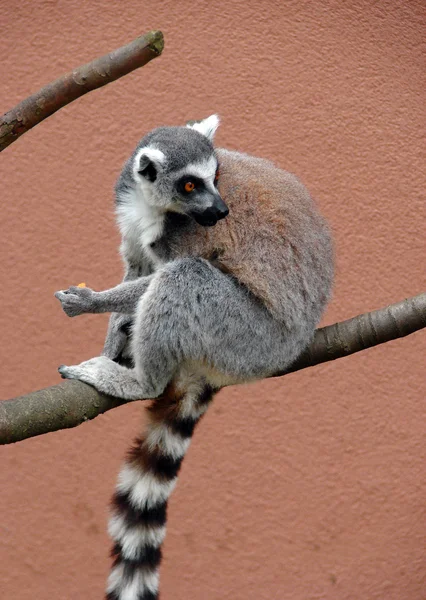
pixel 69 372
pixel 108 377
pixel 62 371
pixel 77 300
pixel 91 371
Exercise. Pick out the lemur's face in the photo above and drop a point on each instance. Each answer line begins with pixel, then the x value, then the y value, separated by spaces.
pixel 178 172
pixel 195 193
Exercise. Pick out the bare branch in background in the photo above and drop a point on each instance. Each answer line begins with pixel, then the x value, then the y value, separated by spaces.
pixel 78 82
pixel 73 402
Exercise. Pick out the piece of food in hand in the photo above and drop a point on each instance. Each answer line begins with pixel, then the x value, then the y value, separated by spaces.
pixel 81 285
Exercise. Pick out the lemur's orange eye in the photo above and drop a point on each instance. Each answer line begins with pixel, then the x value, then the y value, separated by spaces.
pixel 189 186
pixel 216 177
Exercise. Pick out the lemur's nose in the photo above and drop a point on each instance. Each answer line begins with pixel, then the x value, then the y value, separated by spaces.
pixel 220 208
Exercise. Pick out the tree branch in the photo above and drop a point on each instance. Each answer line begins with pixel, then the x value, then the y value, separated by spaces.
pixel 73 402
pixel 86 78
pixel 362 332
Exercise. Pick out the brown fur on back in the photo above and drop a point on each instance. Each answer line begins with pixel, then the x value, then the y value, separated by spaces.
pixel 273 241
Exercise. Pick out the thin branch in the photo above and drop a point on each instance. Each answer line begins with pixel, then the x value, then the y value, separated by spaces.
pixel 362 332
pixel 73 402
pixel 71 86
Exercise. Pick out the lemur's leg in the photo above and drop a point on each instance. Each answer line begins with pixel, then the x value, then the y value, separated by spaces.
pixel 116 345
pixel 117 337
pixel 122 298
pixel 191 313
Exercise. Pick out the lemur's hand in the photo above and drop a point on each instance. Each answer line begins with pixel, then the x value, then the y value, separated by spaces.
pixel 77 300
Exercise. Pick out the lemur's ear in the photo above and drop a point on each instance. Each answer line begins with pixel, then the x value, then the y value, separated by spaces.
pixel 207 126
pixel 148 162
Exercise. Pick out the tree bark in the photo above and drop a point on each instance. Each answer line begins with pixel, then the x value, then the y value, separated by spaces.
pixel 71 86
pixel 73 402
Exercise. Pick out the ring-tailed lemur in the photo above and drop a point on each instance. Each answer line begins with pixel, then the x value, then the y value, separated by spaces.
pixel 209 306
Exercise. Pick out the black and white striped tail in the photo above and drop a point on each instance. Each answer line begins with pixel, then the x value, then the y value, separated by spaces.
pixel 145 482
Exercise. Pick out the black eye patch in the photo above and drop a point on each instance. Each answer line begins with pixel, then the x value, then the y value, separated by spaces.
pixel 198 184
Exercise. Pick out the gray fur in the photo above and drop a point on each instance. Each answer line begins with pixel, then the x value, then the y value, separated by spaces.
pixel 121 299
pixel 233 303
pixel 192 313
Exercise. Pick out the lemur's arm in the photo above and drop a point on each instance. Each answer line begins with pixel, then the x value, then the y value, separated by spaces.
pixel 120 299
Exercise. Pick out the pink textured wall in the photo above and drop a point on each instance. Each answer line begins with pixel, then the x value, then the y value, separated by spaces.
pixel 308 487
